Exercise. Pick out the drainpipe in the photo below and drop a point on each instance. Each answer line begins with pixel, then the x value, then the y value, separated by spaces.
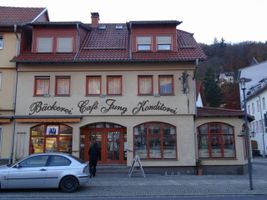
pixel 11 159
pixel 78 41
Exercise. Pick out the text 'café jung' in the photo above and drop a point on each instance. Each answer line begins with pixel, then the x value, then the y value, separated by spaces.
pixel 129 86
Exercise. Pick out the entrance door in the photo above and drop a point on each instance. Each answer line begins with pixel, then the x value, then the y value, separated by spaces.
pixel 111 142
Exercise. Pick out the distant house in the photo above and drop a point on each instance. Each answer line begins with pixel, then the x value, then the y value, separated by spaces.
pixel 11 21
pixel 226 77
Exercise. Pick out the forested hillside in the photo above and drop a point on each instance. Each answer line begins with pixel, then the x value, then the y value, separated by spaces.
pixel 227 57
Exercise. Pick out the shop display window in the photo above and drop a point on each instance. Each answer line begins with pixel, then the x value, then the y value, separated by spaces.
pixel 155 141
pixel 216 140
pixel 51 138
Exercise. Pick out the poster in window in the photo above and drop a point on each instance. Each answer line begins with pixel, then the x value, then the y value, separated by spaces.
pixel 52 130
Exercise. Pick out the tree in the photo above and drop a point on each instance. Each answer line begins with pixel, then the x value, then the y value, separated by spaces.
pixel 212 91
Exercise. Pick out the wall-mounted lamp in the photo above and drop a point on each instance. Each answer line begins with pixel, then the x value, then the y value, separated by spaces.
pixel 184 81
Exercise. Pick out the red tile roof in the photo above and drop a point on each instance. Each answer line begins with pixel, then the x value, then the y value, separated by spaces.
pixel 19 15
pixel 111 44
pixel 218 112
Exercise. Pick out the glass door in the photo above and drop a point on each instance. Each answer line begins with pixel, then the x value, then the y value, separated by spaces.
pixel 113 145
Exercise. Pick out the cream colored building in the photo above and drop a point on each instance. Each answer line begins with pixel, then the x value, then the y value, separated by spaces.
pixel 129 87
pixel 10 37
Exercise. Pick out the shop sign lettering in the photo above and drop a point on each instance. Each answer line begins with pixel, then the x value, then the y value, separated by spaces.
pixel 39 106
pixel 145 106
pixel 109 106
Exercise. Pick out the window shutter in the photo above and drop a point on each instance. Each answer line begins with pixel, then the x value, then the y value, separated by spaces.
pixel 164 40
pixel 143 40
pixel 44 44
pixel 64 44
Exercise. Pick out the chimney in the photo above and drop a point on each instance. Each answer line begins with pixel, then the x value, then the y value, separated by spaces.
pixel 94 19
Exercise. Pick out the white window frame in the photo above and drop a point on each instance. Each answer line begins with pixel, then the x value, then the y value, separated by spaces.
pixel 1 78
pixel 163 42
pixel 44 45
pixel 1 133
pixel 64 44
pixel 1 42
pixel 144 43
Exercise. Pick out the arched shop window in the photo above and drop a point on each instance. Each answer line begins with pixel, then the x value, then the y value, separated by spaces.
pixel 216 140
pixel 51 138
pixel 155 140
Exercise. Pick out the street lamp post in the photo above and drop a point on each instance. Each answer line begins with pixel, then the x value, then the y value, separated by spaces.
pixel 243 82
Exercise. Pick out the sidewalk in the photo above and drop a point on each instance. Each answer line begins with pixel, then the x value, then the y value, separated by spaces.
pixel 156 185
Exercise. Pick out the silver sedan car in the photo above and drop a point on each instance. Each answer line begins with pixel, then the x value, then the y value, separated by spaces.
pixel 46 170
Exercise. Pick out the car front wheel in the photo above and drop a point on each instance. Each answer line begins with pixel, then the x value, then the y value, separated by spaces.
pixel 69 184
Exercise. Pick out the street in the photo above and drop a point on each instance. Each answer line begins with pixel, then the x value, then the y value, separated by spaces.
pixel 24 195
pixel 159 187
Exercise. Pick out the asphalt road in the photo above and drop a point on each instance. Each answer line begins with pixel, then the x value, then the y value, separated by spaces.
pixel 26 196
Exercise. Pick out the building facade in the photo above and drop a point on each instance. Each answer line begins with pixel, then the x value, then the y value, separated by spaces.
pixel 11 20
pixel 128 86
pixel 256 106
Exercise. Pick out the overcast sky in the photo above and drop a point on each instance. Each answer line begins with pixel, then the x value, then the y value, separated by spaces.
pixel 234 20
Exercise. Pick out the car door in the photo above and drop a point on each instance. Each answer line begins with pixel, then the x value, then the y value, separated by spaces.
pixel 57 166
pixel 29 173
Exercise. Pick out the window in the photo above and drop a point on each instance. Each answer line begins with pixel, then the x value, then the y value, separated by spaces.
pixel 93 85
pixel 163 43
pixel 144 43
pixel 1 77
pixel 216 140
pixel 258 105
pixel 62 86
pixel 58 161
pixel 1 130
pixel 51 138
pixel 42 84
pixel 114 85
pixel 64 44
pixel 44 44
pixel 253 108
pixel 166 85
pixel 263 100
pixel 145 85
pixel 36 161
pixel 1 42
pixel 155 140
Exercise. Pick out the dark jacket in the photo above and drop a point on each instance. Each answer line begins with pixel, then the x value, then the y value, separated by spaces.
pixel 94 152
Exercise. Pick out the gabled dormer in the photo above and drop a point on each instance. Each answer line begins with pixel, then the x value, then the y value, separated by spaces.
pixel 56 37
pixel 153 36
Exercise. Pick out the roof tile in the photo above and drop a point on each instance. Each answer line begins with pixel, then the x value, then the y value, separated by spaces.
pixel 18 15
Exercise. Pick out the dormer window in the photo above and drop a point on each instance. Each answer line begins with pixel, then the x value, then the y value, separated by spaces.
pixel 164 43
pixel 44 44
pixel 144 43
pixel 64 44
pixel 102 27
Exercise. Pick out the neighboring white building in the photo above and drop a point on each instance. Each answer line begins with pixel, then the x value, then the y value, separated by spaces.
pixel 256 91
pixel 256 106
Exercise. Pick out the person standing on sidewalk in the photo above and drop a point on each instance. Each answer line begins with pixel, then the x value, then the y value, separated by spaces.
pixel 93 158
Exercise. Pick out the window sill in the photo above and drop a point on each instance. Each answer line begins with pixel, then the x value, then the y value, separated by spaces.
pixel 145 95
pixel 62 95
pixel 166 94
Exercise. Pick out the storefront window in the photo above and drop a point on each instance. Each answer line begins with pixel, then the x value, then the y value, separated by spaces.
pixel 216 140
pixel 51 138
pixel 155 141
